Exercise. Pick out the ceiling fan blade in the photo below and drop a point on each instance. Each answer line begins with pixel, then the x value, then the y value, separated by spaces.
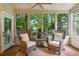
pixel 34 5
pixel 47 3
pixel 41 6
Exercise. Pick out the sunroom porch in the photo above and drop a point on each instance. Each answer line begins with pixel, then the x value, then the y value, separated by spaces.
pixel 42 21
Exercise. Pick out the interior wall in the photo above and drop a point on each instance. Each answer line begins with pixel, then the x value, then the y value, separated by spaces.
pixel 6 8
pixel 74 41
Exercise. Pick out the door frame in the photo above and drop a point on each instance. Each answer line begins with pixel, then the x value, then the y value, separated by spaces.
pixel 6 14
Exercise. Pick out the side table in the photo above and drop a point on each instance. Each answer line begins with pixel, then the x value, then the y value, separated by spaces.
pixel 41 43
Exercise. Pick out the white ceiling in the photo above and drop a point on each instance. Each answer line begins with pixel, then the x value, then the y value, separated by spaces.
pixel 53 6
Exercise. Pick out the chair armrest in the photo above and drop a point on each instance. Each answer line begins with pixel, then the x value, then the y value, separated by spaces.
pixel 23 46
pixel 33 39
pixel 60 44
pixel 47 40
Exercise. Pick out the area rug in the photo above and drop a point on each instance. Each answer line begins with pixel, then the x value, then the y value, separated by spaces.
pixel 69 51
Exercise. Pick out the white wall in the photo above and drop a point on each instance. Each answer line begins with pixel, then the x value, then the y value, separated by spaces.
pixel 74 41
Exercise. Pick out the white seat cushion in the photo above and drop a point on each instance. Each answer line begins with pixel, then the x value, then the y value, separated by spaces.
pixel 54 43
pixel 30 43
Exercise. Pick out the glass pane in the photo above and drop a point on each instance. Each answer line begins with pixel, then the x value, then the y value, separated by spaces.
pixel 76 23
pixel 7 30
pixel 49 23
pixel 62 22
pixel 35 23
pixel 21 21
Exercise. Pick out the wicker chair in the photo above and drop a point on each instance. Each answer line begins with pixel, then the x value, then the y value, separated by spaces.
pixel 31 45
pixel 58 43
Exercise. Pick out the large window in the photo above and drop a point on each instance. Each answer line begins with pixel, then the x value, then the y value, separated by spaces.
pixel 49 23
pixel 21 21
pixel 62 22
pixel 76 23
pixel 35 22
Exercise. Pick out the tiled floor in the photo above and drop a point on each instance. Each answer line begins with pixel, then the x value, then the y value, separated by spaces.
pixel 69 51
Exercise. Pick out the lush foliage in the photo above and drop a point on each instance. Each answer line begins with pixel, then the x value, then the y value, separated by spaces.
pixel 49 23
pixel 62 21
pixel 21 21
pixel 35 21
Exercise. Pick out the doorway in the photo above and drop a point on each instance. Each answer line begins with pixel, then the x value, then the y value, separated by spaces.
pixel 7 22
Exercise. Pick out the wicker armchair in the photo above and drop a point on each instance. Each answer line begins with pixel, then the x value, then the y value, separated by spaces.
pixel 31 45
pixel 55 43
pixel 58 43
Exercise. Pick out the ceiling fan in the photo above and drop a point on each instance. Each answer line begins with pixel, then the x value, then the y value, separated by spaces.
pixel 41 5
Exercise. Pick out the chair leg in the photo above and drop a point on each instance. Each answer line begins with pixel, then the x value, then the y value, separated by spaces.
pixel 59 53
pixel 26 54
pixel 63 49
pixel 35 49
pixel 48 48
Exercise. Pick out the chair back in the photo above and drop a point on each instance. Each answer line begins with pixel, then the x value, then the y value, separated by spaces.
pixel 58 36
pixel 25 37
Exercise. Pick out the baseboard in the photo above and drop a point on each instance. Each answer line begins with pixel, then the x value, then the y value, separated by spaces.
pixel 74 47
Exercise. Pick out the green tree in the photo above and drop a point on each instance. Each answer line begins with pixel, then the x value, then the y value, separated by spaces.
pixel 62 19
pixel 49 23
pixel 36 18
pixel 21 21
pixel 35 22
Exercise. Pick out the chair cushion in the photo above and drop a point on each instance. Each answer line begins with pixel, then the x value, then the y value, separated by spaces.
pixel 30 44
pixel 25 37
pixel 54 43
pixel 58 36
